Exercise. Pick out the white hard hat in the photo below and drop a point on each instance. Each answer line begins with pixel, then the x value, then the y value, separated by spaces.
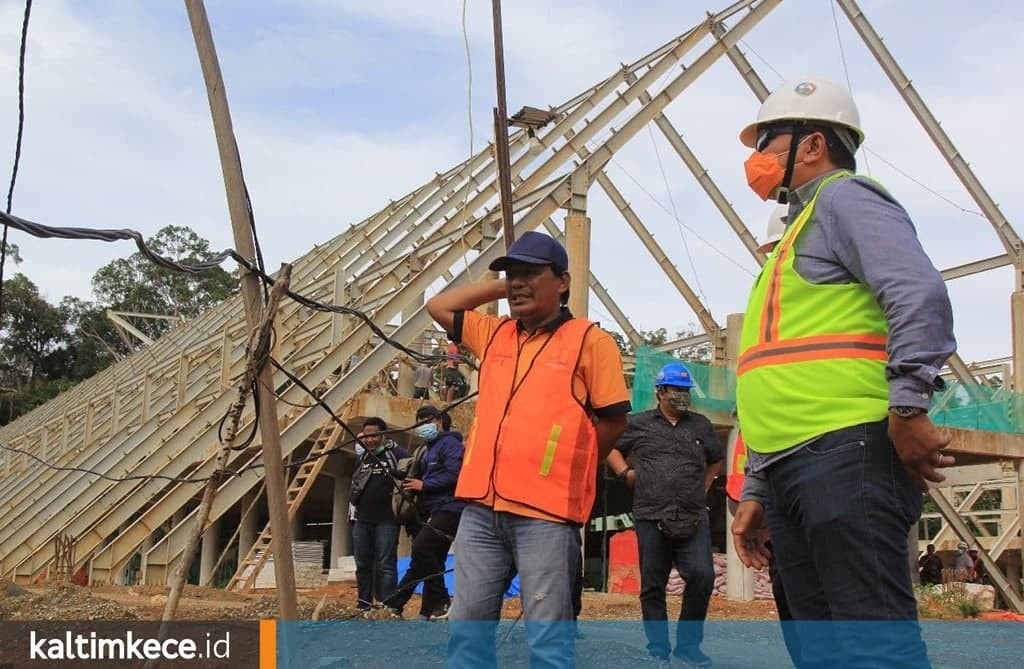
pixel 776 228
pixel 810 99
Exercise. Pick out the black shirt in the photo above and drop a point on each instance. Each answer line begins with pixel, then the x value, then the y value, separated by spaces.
pixel 375 502
pixel 670 463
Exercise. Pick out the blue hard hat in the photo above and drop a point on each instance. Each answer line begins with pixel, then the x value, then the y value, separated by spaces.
pixel 674 374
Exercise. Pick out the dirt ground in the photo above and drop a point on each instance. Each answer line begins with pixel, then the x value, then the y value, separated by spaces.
pixel 335 602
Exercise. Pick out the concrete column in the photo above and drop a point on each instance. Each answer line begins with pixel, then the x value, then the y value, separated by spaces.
pixel 739 582
pixel 1017 332
pixel 120 576
pixel 1015 581
pixel 577 241
pixel 210 551
pixel 248 528
pixel 913 550
pixel 340 536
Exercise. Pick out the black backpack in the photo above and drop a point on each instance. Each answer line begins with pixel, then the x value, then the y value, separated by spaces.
pixel 405 503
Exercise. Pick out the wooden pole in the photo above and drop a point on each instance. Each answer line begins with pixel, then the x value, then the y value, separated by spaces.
pixel 501 128
pixel 239 212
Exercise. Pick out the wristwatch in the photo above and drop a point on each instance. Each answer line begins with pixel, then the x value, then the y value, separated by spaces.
pixel 624 473
pixel 907 412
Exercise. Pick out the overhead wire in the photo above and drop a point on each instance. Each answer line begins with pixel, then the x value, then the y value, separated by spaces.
pixel 846 69
pixel 679 221
pixel 463 212
pixel 211 262
pixel 17 145
pixel 675 215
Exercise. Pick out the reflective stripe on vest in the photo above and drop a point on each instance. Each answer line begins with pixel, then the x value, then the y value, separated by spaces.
pixel 812 356
pixel 734 482
pixel 532 441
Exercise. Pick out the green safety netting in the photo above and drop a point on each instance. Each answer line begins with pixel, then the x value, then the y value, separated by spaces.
pixel 972 407
pixel 715 387
pixel 978 407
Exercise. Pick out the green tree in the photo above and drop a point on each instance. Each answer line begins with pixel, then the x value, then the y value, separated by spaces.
pixel 33 330
pixel 135 284
pixel 659 336
pixel 93 341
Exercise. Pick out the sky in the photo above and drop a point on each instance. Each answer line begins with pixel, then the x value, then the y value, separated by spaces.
pixel 341 105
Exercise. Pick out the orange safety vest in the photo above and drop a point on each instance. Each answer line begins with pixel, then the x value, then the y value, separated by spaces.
pixel 532 441
pixel 734 482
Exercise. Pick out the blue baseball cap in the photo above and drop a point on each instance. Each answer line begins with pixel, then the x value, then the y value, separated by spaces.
pixel 533 248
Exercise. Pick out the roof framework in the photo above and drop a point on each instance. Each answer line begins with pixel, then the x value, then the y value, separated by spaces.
pixel 157 412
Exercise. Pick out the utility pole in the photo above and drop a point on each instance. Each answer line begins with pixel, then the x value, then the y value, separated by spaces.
pixel 501 129
pixel 238 208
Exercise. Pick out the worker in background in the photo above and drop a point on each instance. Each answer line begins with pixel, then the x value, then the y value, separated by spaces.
pixel 930 567
pixel 434 484
pixel 375 532
pixel 845 332
pixel 675 458
pixel 552 401
pixel 979 569
pixel 964 564
pixel 455 384
pixel 422 376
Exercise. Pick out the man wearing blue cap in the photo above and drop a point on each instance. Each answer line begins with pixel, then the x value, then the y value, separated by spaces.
pixel 552 402
pixel 675 458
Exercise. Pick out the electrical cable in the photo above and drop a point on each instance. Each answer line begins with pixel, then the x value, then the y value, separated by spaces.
pixel 675 215
pixel 669 212
pixel 212 262
pixel 846 70
pixel 17 145
pixel 138 477
pixel 395 481
pixel 469 162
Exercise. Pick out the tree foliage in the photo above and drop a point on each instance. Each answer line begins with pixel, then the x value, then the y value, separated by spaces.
pixel 660 336
pixel 46 348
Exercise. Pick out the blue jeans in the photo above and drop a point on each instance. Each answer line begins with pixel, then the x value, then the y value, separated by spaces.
pixel 547 555
pixel 692 559
pixel 839 514
pixel 376 553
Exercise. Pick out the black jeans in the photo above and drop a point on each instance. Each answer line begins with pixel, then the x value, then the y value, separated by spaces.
pixel 692 559
pixel 839 514
pixel 429 552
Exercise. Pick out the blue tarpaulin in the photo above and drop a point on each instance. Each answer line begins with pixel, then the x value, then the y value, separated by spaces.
pixel 449 578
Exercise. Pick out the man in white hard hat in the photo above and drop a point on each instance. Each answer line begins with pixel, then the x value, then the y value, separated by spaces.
pixel 845 332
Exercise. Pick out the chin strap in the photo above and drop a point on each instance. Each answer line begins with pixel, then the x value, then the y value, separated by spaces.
pixel 782 197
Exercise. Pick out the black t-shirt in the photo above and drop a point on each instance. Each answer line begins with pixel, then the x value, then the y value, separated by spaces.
pixel 375 502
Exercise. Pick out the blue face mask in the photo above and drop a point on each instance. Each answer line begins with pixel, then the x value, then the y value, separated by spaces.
pixel 427 431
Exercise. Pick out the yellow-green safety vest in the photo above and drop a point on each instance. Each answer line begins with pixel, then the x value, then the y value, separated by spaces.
pixel 812 357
